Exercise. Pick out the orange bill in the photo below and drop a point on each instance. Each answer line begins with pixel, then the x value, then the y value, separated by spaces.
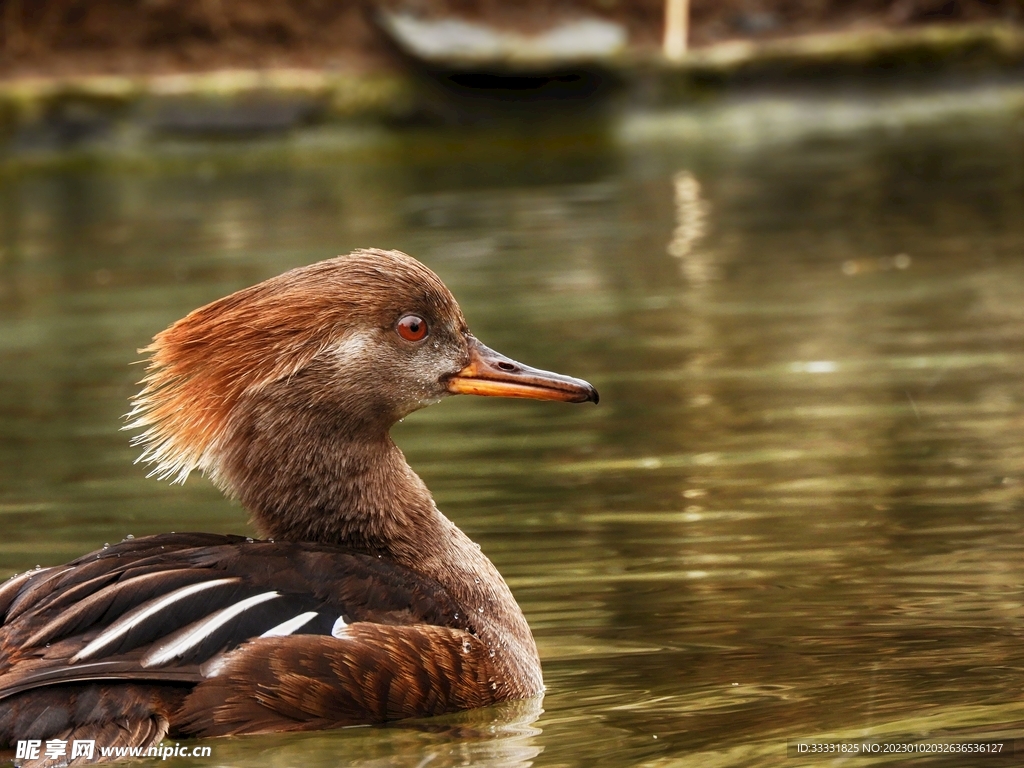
pixel 494 375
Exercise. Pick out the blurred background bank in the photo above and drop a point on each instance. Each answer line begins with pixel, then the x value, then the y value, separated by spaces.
pixel 120 73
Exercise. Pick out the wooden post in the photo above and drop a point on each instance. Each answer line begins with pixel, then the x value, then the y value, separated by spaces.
pixel 677 22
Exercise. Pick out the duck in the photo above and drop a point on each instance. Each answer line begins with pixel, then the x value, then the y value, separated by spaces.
pixel 359 603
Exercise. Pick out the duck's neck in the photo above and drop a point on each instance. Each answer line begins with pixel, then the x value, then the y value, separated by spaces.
pixel 306 478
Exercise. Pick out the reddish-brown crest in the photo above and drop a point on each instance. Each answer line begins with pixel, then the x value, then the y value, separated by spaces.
pixel 200 366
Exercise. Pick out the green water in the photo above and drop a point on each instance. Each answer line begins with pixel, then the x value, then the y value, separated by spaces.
pixel 796 511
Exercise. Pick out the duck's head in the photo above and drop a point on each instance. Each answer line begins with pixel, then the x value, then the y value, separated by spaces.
pixel 353 343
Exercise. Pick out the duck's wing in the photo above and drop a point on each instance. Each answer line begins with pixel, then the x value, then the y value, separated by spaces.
pixel 292 624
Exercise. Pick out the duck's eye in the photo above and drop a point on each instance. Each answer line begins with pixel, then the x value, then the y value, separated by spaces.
pixel 412 328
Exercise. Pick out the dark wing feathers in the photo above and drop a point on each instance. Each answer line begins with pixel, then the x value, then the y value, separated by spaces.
pixel 40 584
pixel 63 585
pixel 128 715
pixel 11 588
pixel 208 635
pixel 104 604
pixel 39 677
pixel 223 629
pixel 158 608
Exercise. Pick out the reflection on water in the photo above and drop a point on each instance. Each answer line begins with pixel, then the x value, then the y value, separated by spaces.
pixel 503 736
pixel 691 212
pixel 795 512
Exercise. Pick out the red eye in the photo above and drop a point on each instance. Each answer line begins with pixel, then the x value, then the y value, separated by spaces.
pixel 412 328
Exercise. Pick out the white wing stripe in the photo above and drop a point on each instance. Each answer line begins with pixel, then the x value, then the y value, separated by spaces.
pixel 287 627
pixel 136 616
pixel 181 642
